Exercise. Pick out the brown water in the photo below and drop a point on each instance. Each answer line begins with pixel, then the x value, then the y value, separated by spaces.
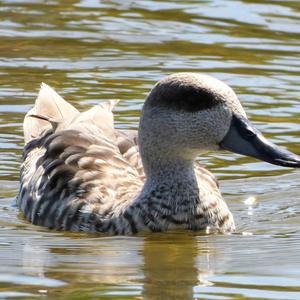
pixel 96 50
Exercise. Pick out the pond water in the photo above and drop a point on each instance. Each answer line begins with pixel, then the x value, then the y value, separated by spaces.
pixel 91 51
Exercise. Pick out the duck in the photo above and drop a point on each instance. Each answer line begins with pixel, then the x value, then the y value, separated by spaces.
pixel 80 173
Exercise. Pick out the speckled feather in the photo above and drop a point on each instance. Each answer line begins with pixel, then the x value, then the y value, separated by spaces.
pixel 81 174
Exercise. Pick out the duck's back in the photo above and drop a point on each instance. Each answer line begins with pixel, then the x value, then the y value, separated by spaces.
pixel 77 170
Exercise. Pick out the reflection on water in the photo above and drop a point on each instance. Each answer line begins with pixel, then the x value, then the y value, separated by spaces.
pixel 176 265
pixel 96 50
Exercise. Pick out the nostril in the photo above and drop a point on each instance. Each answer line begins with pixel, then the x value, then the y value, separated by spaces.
pixel 250 132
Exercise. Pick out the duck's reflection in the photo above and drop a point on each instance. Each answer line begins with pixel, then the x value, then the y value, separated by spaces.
pixel 169 267
pixel 160 266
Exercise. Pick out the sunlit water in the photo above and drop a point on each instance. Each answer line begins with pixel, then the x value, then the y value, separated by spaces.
pixel 96 50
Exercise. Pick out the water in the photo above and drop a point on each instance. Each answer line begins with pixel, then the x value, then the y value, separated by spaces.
pixel 97 50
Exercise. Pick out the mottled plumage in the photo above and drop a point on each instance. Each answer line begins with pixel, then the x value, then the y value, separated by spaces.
pixel 79 173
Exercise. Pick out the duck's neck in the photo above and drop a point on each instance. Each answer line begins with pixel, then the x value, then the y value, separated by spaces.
pixel 171 181
pixel 167 159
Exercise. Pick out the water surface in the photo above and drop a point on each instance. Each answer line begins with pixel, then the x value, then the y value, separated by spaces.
pixel 91 51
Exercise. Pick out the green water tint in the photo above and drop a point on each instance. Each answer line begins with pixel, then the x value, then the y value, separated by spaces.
pixel 96 50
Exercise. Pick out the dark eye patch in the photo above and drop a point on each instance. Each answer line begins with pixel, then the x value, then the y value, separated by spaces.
pixel 185 97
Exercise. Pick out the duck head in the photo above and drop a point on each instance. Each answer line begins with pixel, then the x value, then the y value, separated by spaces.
pixel 188 113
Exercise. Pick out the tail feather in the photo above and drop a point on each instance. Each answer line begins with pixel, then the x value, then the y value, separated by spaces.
pixel 99 115
pixel 51 111
pixel 49 106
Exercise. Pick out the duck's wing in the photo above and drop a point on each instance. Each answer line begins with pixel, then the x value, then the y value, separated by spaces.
pixel 73 171
pixel 127 141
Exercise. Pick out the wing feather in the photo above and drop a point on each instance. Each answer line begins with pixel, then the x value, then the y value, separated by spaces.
pixel 73 166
